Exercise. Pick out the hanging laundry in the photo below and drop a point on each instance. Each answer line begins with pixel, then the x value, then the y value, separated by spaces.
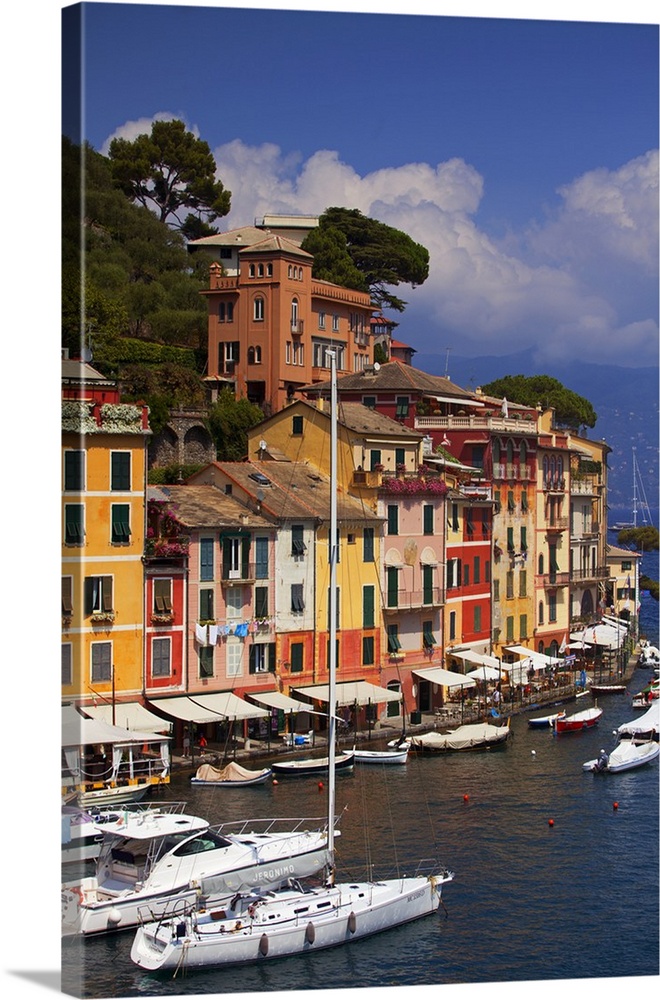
pixel 201 633
pixel 213 634
pixel 241 629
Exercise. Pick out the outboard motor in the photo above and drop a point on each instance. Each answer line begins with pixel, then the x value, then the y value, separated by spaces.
pixel 601 761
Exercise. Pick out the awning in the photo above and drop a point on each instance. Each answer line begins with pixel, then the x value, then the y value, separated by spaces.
pixel 131 715
pixel 485 673
pixel 445 678
pixel 351 693
pixel 78 731
pixel 472 657
pixel 533 654
pixel 282 702
pixel 208 707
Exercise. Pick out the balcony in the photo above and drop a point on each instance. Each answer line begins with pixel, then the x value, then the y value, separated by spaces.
pixel 367 477
pixel 554 484
pixel 559 524
pixel 550 580
pixel 588 575
pixel 413 600
pixel 297 327
pixel 166 547
pixel 245 573
pixel 585 485
pixel 476 421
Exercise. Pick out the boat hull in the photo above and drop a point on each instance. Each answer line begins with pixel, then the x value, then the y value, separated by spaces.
pixel 577 723
pixel 544 722
pixel 279 929
pixel 625 757
pixel 381 756
pixel 312 766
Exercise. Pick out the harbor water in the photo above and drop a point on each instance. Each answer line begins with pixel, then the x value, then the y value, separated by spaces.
pixel 556 869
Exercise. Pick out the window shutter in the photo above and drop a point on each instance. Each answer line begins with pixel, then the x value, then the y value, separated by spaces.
pixel 67 599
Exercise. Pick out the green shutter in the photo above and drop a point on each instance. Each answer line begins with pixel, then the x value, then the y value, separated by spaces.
pixel 368 617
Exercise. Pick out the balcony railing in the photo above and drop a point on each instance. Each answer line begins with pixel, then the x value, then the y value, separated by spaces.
pixel 408 600
pixel 554 484
pixel 494 422
pixel 559 524
pixel 553 580
pixel 245 573
pixel 595 573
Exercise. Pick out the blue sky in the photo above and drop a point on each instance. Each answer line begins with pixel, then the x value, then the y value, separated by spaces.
pixel 522 153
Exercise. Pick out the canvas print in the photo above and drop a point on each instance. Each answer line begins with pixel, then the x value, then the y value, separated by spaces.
pixel 359 456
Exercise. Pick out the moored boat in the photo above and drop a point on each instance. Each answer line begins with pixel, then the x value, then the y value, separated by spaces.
pixel 382 756
pixel 149 859
pixel 233 775
pixel 479 736
pixel 644 727
pixel 313 766
pixel 576 723
pixel 544 721
pixel 599 689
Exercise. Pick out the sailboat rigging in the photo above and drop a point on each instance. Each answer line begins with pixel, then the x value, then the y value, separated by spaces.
pixel 293 919
pixel 640 504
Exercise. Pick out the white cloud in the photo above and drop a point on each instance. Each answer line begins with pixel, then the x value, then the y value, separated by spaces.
pixel 582 284
pixel 142 126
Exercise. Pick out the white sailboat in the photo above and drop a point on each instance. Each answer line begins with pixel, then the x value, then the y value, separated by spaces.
pixel 293 920
pixel 640 504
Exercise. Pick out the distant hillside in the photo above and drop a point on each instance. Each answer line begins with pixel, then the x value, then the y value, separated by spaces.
pixel 625 399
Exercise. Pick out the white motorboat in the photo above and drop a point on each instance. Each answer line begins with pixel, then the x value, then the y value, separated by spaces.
pixel 147 859
pixel 292 920
pixel 233 775
pixel 644 727
pixel 81 836
pixel 311 766
pixel 625 756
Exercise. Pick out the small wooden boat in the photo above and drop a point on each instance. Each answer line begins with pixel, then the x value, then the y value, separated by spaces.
pixel 625 756
pixel 576 723
pixel 544 721
pixel 382 756
pixel 312 765
pixel 480 736
pixel 607 688
pixel 646 696
pixel 231 776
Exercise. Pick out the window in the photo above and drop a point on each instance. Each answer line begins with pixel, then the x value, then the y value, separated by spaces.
pixel 234 656
pixel 541 617
pixel 402 407
pixel 368 656
pixel 294 315
pixel 466 575
pixel 74 523
pixel 427 584
pixel 523 501
pixel 251 271
pixel 261 602
pixel 393 644
pixel 522 583
pixel 368 603
pixel 392 519
pixel 509 585
pixel 235 552
pixel 428 517
pixel 206 554
pixel 261 558
pixel 260 270
pixel 121 527
pixel 67 664
pixel 297 543
pixel 258 310
pixel 367 545
pixel 297 425
pixel 552 607
pixel 452 624
pixel 477 618
pixel 98 595
pixel 335 323
pixel 496 590
pixel 321 321
pixel 523 539
pixel 453 573
pixel 297 601
pixel 234 603
pixel 523 626
pixel 262 658
pixel 625 565
pixel 296 652
pixel 477 461
pixel 228 356
pixel 163 596
pixel 399 456
pixel 101 653
pixel 254 355
pixel 454 524
pixel 509 628
pixel 392 586
pixel 369 402
pixel 428 638
pixel 469 523
pixel 74 470
pixel 510 501
pixel 67 595
pixel 205 661
pixel 161 657
pixel 206 613
pixel 374 458
pixel 120 470
pixel 476 569
pixel 509 540
pixel 487 571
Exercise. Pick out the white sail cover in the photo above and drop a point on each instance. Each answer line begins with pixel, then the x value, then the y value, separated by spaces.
pixel 464 738
pixel 649 722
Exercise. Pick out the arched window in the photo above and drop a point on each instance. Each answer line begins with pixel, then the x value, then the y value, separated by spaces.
pixel 509 452
pixel 260 270
pixel 523 452
pixel 541 611
pixel 259 309
pixel 496 450
pixel 294 315
pixel 251 270
pixel 540 564
pixel 250 355
pixel 290 271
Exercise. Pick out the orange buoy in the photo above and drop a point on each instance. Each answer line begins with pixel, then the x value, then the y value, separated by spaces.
pixel 320 786
pixel 466 798
pixel 551 822
pixel 615 805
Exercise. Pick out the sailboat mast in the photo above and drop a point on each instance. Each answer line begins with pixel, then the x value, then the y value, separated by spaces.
pixel 634 496
pixel 332 659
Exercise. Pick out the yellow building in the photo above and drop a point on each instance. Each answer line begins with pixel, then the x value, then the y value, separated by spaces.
pixel 103 516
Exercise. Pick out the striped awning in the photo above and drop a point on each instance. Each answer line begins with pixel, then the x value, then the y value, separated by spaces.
pixel 351 693
pixel 444 678
pixel 274 699
pixel 131 715
pixel 202 708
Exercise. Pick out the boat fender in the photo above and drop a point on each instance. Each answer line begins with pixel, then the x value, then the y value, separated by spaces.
pixel 352 922
pixel 114 917
pixel 310 933
pixel 78 891
pixel 263 945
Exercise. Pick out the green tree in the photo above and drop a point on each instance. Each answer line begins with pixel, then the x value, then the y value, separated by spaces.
pixel 229 420
pixel 357 252
pixel 644 538
pixel 172 171
pixel 571 410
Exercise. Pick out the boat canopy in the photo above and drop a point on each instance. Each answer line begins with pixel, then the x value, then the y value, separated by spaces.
pixel 445 678
pixel 351 693
pixel 208 707
pixel 645 723
pixel 78 731
pixel 132 715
